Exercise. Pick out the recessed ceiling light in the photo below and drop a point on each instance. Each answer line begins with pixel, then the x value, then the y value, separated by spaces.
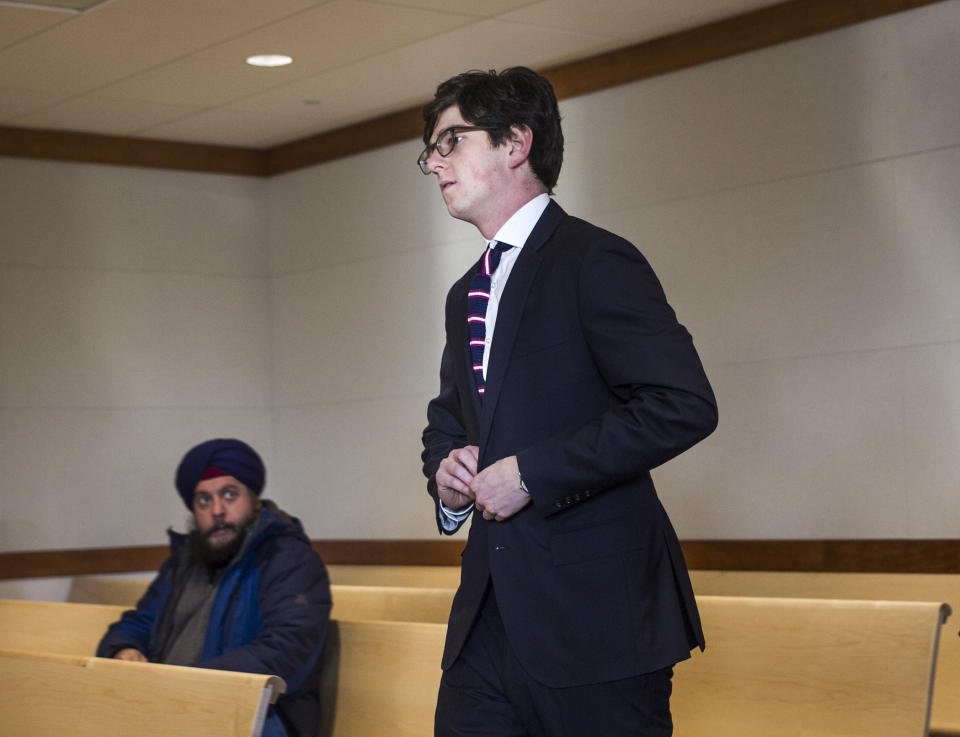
pixel 269 60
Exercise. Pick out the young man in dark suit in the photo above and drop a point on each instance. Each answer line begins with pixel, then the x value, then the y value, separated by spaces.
pixel 564 380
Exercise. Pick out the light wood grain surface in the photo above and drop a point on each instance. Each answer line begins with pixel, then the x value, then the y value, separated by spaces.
pixel 804 667
pixel 47 695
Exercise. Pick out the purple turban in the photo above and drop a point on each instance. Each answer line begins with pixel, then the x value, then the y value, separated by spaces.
pixel 232 457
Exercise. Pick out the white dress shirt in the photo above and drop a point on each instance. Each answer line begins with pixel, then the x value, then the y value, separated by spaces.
pixel 515 232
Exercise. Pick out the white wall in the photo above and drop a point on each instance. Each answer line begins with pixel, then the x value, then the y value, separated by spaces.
pixel 799 203
pixel 134 320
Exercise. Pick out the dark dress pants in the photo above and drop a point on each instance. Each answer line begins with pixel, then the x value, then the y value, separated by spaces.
pixel 487 693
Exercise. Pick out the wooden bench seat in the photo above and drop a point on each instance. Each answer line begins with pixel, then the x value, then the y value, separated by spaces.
pixel 945 716
pixel 55 627
pixel 805 667
pixel 392 603
pixel 438 577
pixel 774 667
pixel 399 603
pixel 107 590
pixel 49 695
pixel 381 678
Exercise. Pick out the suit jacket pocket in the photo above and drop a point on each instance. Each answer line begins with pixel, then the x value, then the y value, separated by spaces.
pixel 610 537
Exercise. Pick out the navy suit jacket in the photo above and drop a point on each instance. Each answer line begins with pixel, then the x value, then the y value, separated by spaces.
pixel 591 383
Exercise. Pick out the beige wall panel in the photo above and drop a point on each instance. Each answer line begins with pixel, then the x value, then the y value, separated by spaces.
pixel 351 470
pixel 931 438
pixel 854 259
pixel 113 339
pixel 79 478
pixel 353 209
pixel 871 91
pixel 806 448
pixel 57 214
pixel 365 329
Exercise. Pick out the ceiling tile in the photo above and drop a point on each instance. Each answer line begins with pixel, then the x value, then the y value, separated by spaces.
pixel 199 80
pixel 19 24
pixel 629 20
pixel 174 68
pixel 485 9
pixel 93 114
pixel 16 102
pixel 340 32
pixel 224 127
pixel 128 36
pixel 409 75
pixel 70 5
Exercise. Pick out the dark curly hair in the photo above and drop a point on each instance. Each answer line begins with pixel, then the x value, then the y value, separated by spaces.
pixel 515 96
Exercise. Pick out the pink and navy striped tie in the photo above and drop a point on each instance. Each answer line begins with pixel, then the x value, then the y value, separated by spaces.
pixel 477 299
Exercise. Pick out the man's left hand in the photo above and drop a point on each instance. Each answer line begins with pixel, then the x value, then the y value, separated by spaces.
pixel 497 492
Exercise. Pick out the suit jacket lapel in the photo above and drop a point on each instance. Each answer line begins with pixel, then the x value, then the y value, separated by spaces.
pixel 509 312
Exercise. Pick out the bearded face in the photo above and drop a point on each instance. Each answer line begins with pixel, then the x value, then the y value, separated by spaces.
pixel 217 545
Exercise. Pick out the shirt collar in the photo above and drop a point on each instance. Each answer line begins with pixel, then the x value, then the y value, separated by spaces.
pixel 518 228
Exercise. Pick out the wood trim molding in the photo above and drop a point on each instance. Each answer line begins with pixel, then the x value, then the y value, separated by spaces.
pixel 831 556
pixel 80 562
pixel 776 24
pixel 828 556
pixel 114 150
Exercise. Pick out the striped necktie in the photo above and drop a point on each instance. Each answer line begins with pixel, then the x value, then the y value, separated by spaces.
pixel 477 299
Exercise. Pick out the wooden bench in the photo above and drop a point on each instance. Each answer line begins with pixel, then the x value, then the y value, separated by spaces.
pixel 392 603
pixel 54 627
pixel 798 667
pixel 945 716
pixel 398 603
pixel 107 590
pixel 437 577
pixel 127 591
pixel 773 666
pixel 381 678
pixel 48 695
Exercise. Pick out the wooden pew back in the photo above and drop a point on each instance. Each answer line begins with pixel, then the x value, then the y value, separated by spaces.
pixel 47 695
pixel 392 603
pixel 107 590
pixel 438 577
pixel 381 678
pixel 397 603
pixel 945 587
pixel 799 667
pixel 54 627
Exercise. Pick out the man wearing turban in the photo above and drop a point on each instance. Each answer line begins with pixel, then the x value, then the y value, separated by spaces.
pixel 243 590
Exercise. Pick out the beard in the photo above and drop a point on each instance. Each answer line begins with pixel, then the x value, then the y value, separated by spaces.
pixel 213 555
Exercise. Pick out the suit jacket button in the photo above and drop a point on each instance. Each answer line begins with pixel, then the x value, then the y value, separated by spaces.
pixel 558 504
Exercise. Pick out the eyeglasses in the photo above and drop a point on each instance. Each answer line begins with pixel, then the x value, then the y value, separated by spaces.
pixel 446 141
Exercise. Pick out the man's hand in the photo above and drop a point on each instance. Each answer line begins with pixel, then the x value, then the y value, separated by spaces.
pixel 132 654
pixel 496 490
pixel 454 475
